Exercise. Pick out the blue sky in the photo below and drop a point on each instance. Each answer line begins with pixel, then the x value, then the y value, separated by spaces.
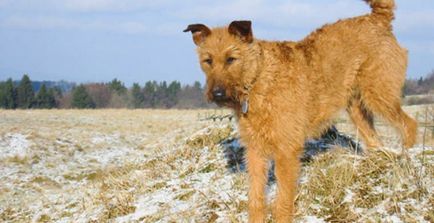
pixel 140 40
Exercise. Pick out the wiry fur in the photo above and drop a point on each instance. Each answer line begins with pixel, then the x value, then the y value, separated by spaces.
pixel 295 89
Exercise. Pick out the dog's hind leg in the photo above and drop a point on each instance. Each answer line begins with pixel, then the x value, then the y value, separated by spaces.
pixel 393 113
pixel 380 86
pixel 363 119
pixel 257 168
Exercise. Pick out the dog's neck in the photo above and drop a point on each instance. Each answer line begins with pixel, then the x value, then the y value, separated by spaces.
pixel 261 52
pixel 254 73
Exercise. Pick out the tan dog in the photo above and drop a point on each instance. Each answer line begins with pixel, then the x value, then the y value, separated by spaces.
pixel 286 92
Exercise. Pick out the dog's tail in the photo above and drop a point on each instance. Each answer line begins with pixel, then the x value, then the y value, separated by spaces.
pixel 383 9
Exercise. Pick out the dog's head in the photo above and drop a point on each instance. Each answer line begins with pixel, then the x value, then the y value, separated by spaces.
pixel 227 56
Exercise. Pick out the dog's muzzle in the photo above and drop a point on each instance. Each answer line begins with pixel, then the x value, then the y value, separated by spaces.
pixel 219 94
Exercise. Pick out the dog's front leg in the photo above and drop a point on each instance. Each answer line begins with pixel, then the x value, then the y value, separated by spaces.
pixel 257 167
pixel 287 166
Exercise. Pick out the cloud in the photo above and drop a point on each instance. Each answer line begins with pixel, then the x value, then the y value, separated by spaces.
pixel 159 17
pixel 292 13
pixel 110 5
pixel 53 23
pixel 81 6
pixel 36 23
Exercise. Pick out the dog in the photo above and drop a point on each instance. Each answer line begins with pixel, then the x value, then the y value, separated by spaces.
pixel 284 92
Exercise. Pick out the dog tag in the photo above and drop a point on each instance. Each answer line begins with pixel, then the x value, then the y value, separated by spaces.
pixel 245 106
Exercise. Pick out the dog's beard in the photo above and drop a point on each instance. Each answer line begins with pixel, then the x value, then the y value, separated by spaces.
pixel 230 101
pixel 227 102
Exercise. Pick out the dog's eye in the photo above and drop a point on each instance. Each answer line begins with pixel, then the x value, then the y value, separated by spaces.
pixel 208 61
pixel 230 60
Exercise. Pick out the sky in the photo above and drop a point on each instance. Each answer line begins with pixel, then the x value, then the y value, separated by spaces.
pixel 140 40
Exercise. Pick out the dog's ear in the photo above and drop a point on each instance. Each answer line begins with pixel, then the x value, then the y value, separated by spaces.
pixel 199 31
pixel 242 29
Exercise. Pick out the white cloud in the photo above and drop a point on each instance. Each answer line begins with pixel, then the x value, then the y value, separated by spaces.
pixel 37 23
pixel 82 5
pixel 110 5
pixel 135 16
pixel 293 13
pixel 94 5
pixel 50 23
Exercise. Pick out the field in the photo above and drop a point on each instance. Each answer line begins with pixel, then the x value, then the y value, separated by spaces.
pixel 168 166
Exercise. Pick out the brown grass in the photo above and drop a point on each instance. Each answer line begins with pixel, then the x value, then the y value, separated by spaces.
pixel 171 154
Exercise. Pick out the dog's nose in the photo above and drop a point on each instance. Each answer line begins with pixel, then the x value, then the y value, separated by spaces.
pixel 218 93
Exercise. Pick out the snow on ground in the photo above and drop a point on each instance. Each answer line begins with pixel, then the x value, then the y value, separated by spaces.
pixel 161 166
pixel 52 162
pixel 13 145
pixel 312 219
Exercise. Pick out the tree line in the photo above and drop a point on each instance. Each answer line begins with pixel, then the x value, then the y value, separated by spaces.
pixel 25 94
pixel 113 94
pixel 420 86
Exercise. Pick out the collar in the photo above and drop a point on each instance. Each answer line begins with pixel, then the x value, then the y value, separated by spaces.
pixel 244 102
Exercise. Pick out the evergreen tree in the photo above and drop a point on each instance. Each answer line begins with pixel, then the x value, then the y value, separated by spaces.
pixel 11 94
pixel 44 98
pixel 57 92
pixel 25 93
pixel 173 93
pixel 81 98
pixel 161 95
pixel 137 96
pixel 197 85
pixel 2 95
pixel 41 97
pixel 117 86
pixel 149 93
pixel 51 98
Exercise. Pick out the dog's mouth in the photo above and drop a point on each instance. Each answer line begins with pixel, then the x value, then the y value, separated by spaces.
pixel 222 96
pixel 223 102
pixel 228 102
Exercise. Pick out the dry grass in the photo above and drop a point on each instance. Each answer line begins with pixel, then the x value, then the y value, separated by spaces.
pixel 348 188
pixel 166 166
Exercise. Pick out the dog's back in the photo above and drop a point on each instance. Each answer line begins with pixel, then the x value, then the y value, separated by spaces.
pixel 356 59
pixel 342 50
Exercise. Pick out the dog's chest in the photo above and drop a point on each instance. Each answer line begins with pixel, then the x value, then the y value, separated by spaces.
pixel 255 133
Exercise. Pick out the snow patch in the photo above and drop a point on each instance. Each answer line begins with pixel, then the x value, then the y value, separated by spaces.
pixel 312 219
pixel 105 138
pixel 14 145
pixel 109 156
pixel 148 205
pixel 395 219
pixel 348 196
